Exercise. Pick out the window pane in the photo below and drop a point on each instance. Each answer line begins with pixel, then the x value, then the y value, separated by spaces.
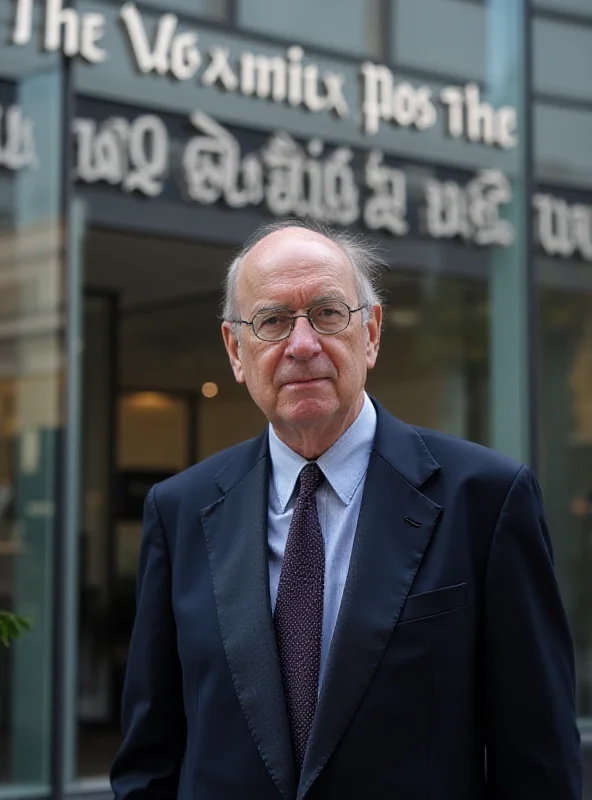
pixel 433 368
pixel 563 167
pixel 568 6
pixel 566 460
pixel 563 59
pixel 446 35
pixel 215 9
pixel 30 379
pixel 349 25
pixel 563 145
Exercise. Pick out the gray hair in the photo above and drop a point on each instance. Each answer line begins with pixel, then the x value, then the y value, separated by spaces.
pixel 361 253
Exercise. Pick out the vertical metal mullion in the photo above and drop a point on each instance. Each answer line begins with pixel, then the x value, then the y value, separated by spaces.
pixel 532 309
pixel 60 740
pixel 512 338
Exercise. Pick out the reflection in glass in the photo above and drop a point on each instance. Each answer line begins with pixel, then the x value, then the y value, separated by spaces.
pixel 566 461
pixel 31 377
pixel 433 367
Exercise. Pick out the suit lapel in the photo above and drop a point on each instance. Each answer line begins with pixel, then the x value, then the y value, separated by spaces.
pixel 394 528
pixel 235 528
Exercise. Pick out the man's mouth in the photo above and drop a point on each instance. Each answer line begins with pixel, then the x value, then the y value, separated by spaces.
pixel 303 381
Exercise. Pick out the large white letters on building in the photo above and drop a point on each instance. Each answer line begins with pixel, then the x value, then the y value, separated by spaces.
pixel 288 78
pixel 288 177
pixel 302 179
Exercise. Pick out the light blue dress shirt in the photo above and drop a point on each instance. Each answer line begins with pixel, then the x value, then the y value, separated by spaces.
pixel 338 502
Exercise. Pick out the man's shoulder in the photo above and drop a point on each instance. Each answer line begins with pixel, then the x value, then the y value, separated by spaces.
pixel 403 442
pixel 200 480
pixel 453 451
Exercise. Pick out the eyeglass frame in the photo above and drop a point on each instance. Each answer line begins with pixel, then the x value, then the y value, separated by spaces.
pixel 294 317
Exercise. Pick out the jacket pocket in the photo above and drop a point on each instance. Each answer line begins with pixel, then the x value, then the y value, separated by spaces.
pixel 428 604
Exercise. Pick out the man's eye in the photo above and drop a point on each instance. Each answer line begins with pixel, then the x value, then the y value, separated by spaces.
pixel 330 312
pixel 271 321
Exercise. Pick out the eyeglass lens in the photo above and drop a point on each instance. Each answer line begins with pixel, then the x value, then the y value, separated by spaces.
pixel 325 318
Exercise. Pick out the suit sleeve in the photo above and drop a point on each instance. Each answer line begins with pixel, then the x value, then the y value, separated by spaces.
pixel 154 727
pixel 531 733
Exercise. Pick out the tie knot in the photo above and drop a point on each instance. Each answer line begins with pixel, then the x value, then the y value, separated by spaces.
pixel 311 477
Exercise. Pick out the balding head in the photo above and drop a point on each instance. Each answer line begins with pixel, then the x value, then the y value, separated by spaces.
pixel 363 256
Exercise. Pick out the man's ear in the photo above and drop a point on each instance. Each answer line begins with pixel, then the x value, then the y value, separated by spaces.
pixel 233 348
pixel 373 329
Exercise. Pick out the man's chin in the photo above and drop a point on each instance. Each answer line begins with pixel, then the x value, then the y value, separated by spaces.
pixel 308 408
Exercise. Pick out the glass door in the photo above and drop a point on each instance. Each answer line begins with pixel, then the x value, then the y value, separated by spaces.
pixel 132 438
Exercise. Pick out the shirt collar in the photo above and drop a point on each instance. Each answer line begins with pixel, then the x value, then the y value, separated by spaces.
pixel 344 464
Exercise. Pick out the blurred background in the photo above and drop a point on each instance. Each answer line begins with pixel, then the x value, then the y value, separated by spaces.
pixel 140 144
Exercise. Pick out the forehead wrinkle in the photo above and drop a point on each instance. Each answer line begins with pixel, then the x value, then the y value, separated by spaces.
pixel 298 258
pixel 290 297
pixel 324 298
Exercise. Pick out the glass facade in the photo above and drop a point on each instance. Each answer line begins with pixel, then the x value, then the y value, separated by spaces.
pixel 32 371
pixel 358 31
pixel 562 50
pixel 140 144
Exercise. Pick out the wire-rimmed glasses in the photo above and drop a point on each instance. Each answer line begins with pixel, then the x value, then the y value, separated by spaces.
pixel 276 324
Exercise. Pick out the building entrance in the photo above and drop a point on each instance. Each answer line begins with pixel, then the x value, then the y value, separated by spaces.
pixel 158 395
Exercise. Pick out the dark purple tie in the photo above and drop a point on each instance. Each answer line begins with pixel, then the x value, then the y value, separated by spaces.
pixel 299 610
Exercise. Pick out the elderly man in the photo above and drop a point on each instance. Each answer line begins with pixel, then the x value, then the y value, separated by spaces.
pixel 346 606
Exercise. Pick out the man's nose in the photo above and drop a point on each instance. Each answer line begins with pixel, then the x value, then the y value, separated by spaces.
pixel 304 340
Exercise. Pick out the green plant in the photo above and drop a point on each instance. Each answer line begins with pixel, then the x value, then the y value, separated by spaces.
pixel 11 627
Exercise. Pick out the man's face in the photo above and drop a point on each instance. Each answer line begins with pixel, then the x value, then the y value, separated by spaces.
pixel 309 379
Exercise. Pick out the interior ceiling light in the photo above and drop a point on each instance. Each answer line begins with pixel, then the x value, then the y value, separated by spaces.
pixel 209 389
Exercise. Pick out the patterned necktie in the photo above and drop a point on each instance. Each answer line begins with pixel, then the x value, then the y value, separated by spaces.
pixel 299 611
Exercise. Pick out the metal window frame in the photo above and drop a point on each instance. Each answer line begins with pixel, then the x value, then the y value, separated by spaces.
pixel 532 309
pixel 62 589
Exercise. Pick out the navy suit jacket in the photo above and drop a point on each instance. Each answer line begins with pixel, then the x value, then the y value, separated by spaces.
pixel 450 675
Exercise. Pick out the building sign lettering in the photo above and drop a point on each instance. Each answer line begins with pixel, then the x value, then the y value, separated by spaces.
pixel 386 208
pixel 65 29
pixel 132 155
pixel 17 140
pixel 288 78
pixel 564 230
pixel 470 212
pixel 298 179
pixel 215 169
